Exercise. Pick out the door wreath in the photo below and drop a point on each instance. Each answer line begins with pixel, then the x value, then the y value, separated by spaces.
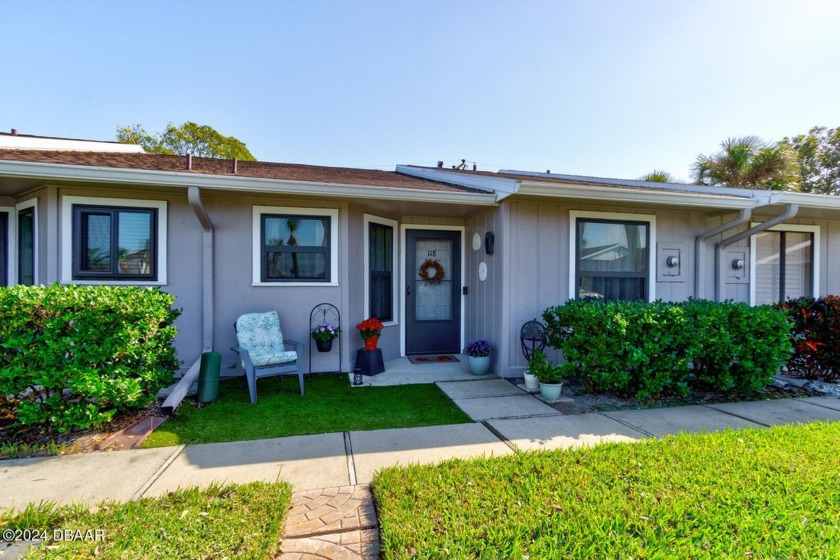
pixel 432 271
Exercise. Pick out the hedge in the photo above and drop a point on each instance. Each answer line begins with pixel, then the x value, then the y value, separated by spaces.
pixel 816 337
pixel 74 356
pixel 659 348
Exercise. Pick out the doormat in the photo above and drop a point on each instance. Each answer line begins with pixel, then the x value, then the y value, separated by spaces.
pixel 433 359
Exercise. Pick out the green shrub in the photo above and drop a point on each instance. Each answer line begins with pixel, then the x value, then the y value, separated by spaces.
pixel 73 356
pixel 652 349
pixel 740 347
pixel 816 337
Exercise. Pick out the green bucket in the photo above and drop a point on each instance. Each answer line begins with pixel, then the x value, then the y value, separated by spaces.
pixel 208 377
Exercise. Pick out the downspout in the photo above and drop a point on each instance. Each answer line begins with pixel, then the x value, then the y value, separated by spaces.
pixel 182 387
pixel 720 284
pixel 194 196
pixel 700 248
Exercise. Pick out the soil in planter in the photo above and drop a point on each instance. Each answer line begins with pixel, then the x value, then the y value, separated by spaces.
pixel 45 441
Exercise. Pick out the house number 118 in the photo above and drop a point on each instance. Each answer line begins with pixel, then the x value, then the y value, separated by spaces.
pixel 431 253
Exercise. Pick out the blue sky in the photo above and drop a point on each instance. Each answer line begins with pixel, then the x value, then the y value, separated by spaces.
pixel 606 88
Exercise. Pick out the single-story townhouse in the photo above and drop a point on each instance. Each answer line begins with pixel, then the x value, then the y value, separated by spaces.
pixel 441 256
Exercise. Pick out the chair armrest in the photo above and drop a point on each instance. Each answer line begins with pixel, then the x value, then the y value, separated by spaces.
pixel 298 346
pixel 243 355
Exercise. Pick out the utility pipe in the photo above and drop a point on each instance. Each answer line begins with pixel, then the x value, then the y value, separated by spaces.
pixel 182 387
pixel 720 284
pixel 700 248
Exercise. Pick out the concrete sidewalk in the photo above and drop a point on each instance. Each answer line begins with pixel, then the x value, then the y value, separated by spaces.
pixel 506 423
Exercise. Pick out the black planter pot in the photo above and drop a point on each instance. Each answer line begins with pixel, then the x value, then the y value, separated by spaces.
pixel 323 345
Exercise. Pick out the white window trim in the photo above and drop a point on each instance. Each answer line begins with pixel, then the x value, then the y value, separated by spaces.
pixel 11 243
pixel 403 240
pixel 815 265
pixel 618 217
pixel 371 219
pixel 67 203
pixel 258 211
pixel 31 203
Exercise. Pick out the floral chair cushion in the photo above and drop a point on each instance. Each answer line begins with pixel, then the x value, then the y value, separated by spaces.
pixel 260 335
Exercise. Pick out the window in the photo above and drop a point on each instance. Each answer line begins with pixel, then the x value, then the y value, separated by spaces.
pixel 783 264
pixel 380 284
pixel 26 243
pixel 295 246
pixel 611 256
pixel 113 241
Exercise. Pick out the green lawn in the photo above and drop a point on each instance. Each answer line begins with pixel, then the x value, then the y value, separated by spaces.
pixel 755 493
pixel 330 405
pixel 221 522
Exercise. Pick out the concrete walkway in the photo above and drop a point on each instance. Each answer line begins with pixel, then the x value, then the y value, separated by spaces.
pixel 330 472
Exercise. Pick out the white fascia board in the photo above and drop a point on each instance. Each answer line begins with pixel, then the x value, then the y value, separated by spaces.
pixel 679 187
pixel 111 175
pixel 619 194
pixel 482 182
pixel 811 200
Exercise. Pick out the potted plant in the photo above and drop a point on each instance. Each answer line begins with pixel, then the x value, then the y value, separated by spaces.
pixel 531 380
pixel 370 329
pixel 478 356
pixel 323 335
pixel 549 375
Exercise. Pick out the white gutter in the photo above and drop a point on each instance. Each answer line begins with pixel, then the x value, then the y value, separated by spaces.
pixel 700 248
pixel 112 175
pixel 679 187
pixel 644 196
pixel 720 284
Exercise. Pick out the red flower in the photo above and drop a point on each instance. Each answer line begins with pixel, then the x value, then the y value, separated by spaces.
pixel 370 327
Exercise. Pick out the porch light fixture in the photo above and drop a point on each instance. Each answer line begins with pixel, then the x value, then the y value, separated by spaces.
pixel 672 261
pixel 738 264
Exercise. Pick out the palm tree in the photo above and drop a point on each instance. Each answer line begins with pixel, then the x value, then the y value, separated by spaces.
pixel 750 163
pixel 658 176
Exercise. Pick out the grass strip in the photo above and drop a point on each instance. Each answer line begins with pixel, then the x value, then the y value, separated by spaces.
pixel 752 493
pixel 330 405
pixel 219 522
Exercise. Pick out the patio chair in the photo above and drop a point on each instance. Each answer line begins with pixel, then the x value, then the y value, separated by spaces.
pixel 263 352
pixel 532 337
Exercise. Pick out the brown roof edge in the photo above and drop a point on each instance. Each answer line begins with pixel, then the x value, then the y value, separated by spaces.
pixel 226 167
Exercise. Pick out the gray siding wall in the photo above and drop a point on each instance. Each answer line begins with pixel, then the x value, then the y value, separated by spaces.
pixel 484 309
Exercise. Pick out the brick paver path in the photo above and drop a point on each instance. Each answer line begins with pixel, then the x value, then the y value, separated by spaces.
pixel 335 523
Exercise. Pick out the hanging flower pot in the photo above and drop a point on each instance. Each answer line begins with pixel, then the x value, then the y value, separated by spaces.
pixel 370 342
pixel 324 345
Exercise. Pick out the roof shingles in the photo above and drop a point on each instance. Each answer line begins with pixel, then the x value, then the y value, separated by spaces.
pixel 253 169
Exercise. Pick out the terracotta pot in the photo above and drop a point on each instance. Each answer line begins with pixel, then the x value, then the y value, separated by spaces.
pixel 370 342
pixel 324 345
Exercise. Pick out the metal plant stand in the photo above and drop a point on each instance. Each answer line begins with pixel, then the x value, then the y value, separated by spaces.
pixel 325 312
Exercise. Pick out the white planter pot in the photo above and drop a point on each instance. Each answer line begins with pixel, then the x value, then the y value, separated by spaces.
pixel 479 365
pixel 531 381
pixel 551 391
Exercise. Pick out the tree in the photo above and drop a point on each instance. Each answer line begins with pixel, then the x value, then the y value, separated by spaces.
pixel 189 138
pixel 750 163
pixel 818 155
pixel 658 176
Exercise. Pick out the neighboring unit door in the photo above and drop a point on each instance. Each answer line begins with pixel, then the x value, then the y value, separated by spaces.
pixel 433 292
